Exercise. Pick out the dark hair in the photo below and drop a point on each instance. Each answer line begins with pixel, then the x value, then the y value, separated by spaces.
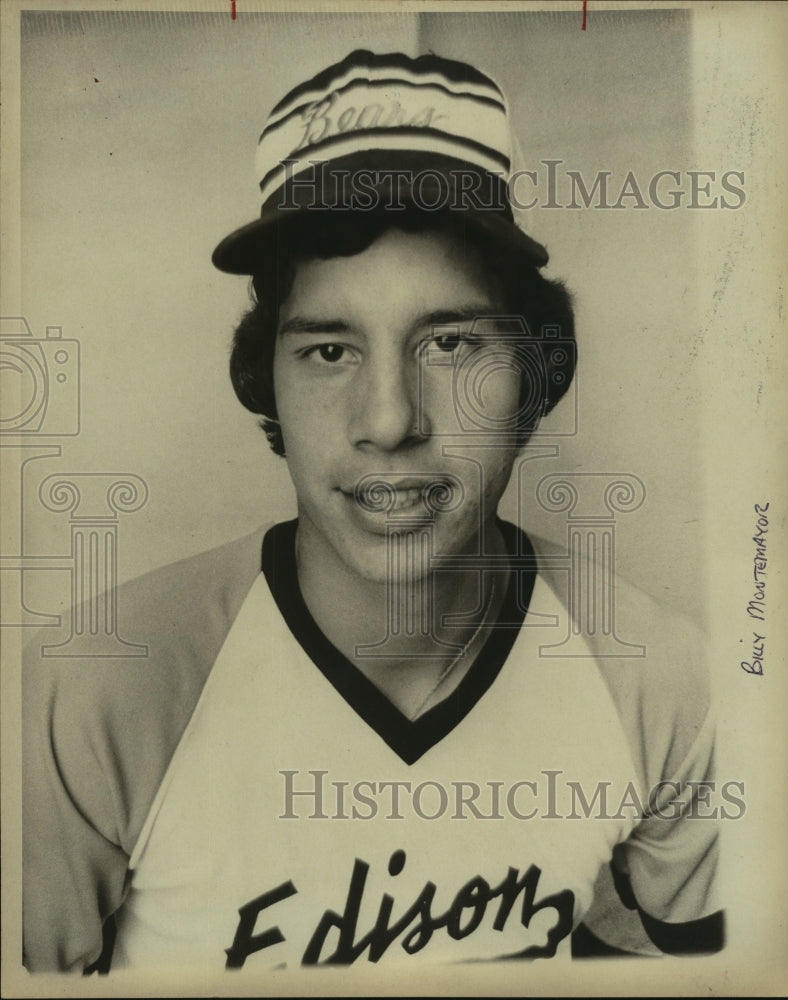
pixel 544 305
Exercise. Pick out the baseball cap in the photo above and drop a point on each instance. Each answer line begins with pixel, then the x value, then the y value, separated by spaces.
pixel 385 132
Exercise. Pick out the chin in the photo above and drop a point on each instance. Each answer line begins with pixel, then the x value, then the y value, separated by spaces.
pixel 404 558
pixel 386 560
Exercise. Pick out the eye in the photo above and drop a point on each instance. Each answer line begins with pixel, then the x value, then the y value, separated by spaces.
pixel 447 341
pixel 329 354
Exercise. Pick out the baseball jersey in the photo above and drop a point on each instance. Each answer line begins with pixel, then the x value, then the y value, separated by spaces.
pixel 245 797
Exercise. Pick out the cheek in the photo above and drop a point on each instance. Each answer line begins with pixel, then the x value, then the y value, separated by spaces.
pixel 312 430
pixel 297 413
pixel 481 394
pixel 504 392
pixel 496 470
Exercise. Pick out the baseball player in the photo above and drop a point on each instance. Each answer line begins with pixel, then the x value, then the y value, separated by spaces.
pixel 345 746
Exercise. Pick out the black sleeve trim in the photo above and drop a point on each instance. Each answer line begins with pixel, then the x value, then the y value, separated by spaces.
pixel 693 937
pixel 624 888
pixel 585 944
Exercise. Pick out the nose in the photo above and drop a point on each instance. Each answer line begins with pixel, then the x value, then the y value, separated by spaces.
pixel 384 412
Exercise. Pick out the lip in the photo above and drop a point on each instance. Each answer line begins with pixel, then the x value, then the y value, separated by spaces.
pixel 395 482
pixel 388 498
pixel 387 495
pixel 406 499
pixel 410 482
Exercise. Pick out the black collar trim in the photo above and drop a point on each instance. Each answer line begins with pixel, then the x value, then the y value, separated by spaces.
pixel 410 740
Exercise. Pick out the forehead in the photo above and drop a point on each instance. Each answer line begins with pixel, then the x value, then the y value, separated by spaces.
pixel 399 271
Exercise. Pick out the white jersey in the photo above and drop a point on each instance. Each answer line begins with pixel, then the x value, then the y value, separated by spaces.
pixel 298 818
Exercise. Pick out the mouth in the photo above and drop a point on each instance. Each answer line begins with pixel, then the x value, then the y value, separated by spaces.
pixel 398 499
pixel 392 495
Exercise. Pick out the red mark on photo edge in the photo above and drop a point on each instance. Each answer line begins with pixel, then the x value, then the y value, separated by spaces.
pixel 232 9
pixel 585 11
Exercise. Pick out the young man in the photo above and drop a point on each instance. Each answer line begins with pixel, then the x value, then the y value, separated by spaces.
pixel 344 745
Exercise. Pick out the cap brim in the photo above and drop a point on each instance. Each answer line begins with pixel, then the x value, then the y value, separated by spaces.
pixel 242 251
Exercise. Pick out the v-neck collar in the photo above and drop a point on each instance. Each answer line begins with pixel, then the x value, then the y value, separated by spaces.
pixel 409 739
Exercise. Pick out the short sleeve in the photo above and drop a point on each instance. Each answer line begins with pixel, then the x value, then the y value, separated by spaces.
pixel 98 734
pixel 73 869
pixel 658 895
pixel 671 858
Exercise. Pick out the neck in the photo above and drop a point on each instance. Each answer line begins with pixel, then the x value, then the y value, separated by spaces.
pixel 399 634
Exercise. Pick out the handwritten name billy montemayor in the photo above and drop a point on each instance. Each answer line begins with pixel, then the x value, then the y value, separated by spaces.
pixel 756 609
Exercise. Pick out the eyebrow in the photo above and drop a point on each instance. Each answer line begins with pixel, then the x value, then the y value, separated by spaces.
pixel 437 317
pixel 302 324
pixel 464 314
